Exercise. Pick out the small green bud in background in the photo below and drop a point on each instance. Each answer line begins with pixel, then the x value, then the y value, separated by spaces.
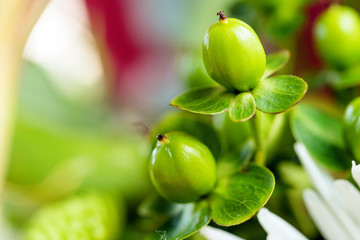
pixel 337 36
pixel 86 217
pixel 182 168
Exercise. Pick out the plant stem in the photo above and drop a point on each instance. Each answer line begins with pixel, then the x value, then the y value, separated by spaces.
pixel 222 17
pixel 256 124
pixel 17 18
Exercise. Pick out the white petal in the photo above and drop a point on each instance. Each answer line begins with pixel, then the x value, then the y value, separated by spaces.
pixel 355 171
pixel 211 233
pixel 328 224
pixel 324 184
pixel 351 197
pixel 322 181
pixel 278 228
pixel 273 237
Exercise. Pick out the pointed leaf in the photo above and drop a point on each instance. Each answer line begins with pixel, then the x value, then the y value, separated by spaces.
pixel 193 217
pixel 276 61
pixel 209 100
pixel 279 93
pixel 237 198
pixel 242 107
pixel 322 135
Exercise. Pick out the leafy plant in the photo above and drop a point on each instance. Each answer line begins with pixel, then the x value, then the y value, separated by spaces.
pixel 270 95
pixel 247 85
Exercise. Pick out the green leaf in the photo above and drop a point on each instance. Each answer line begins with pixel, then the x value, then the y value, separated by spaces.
pixel 242 107
pixel 196 125
pixel 322 135
pixel 237 198
pixel 230 131
pixel 41 101
pixel 193 217
pixel 234 162
pixel 209 100
pixel 155 205
pixel 276 61
pixel 279 93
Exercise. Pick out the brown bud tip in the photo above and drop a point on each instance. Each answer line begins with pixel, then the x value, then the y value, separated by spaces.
pixel 222 16
pixel 160 137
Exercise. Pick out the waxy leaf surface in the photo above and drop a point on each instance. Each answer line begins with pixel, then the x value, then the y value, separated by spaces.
pixel 242 107
pixel 238 197
pixel 209 100
pixel 279 93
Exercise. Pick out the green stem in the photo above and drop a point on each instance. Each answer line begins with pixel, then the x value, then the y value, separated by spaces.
pixel 259 138
pixel 17 18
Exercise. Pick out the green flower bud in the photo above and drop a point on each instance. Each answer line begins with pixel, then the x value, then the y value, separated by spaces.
pixel 337 36
pixel 182 169
pixel 233 55
pixel 85 217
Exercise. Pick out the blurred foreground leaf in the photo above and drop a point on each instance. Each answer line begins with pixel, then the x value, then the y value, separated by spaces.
pixel 156 205
pixel 348 78
pixel 322 135
pixel 51 133
pixel 87 217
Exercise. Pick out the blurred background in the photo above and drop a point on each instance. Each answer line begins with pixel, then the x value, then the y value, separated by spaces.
pixel 95 76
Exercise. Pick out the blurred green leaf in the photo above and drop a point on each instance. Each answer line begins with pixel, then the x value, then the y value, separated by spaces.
pixel 276 61
pixel 51 133
pixel 196 236
pixel 294 175
pixel 87 216
pixel 304 222
pixel 238 197
pixel 279 93
pixel 192 70
pixel 155 205
pixel 280 19
pixel 242 107
pixel 322 135
pixel 209 100
pixel 279 140
pixel 235 161
pixel 116 164
pixel 242 10
pixel 348 78
pixel 193 217
pixel 39 100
